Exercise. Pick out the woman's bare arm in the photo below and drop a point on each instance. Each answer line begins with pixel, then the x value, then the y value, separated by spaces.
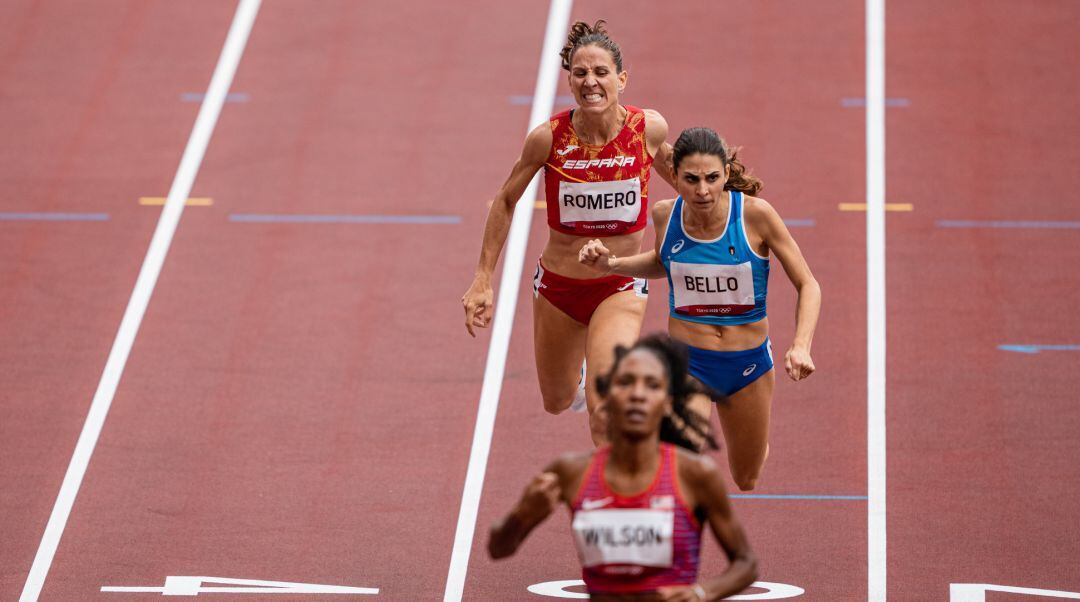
pixel 479 298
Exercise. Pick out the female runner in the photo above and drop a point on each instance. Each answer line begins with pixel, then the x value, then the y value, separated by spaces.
pixel 713 244
pixel 638 505
pixel 596 161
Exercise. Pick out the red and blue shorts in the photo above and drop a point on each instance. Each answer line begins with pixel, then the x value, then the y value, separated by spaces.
pixel 579 298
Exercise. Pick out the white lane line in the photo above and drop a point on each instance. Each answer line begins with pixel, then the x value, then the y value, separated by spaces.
pixel 140 297
pixel 543 102
pixel 875 298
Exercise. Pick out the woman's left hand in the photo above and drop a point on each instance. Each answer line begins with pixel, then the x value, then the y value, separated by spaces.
pixel 797 362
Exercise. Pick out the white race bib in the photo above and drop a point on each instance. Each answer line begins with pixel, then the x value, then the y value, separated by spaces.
pixel 705 289
pixel 624 536
pixel 617 201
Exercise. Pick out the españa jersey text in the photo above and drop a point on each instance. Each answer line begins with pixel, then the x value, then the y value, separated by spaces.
pixel 597 190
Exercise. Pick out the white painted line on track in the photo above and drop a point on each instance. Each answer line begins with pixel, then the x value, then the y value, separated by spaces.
pixel 140 296
pixel 543 103
pixel 875 299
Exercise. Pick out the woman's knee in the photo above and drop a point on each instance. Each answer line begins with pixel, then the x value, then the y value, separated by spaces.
pixel 746 475
pixel 554 404
pixel 745 482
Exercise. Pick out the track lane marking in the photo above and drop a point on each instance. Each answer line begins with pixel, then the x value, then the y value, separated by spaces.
pixel 45 216
pixel 558 22
pixel 199 201
pixel 140 296
pixel 949 223
pixel 875 301
pixel 888 207
pixel 1032 349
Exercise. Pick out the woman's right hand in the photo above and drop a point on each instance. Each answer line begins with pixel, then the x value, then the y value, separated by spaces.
pixel 478 301
pixel 540 499
pixel 596 256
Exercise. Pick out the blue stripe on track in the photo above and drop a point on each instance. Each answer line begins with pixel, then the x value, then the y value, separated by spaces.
pixel 54 217
pixel 1038 348
pixel 948 223
pixel 262 218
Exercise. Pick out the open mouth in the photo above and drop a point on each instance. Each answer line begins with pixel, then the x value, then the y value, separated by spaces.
pixel 592 97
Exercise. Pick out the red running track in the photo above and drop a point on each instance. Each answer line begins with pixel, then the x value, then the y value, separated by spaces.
pixel 91 121
pixel 982 463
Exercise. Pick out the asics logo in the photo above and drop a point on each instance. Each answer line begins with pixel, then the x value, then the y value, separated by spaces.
pixel 594 504
pixel 562 153
pixel 678 246
pixel 749 370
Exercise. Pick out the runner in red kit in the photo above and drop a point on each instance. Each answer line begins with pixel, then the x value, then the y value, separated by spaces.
pixel 596 160
pixel 638 506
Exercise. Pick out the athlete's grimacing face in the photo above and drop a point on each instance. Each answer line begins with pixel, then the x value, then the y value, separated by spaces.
pixel 594 79
pixel 700 181
pixel 638 395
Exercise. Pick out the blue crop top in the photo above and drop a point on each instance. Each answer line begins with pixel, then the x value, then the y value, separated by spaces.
pixel 720 281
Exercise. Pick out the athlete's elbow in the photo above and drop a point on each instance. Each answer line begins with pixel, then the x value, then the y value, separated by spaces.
pixel 809 286
pixel 499 549
pixel 504 202
pixel 749 570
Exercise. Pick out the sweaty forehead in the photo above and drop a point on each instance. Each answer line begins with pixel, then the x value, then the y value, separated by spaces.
pixel 701 164
pixel 642 362
pixel 592 56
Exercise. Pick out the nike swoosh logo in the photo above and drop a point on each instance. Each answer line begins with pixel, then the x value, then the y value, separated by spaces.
pixel 626 286
pixel 594 504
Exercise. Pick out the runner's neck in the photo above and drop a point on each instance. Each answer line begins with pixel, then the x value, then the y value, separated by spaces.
pixel 711 224
pixel 602 129
pixel 636 459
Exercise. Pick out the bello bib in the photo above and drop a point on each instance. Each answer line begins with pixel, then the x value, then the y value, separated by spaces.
pixel 712 289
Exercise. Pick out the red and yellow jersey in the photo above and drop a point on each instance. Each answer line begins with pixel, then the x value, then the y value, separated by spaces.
pixel 598 190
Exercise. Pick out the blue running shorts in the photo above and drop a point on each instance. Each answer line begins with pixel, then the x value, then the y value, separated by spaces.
pixel 727 372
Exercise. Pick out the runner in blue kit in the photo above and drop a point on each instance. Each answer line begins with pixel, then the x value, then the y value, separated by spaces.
pixel 713 245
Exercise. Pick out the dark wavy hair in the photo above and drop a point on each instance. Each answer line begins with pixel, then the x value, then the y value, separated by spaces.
pixel 582 34
pixel 704 141
pixel 681 426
